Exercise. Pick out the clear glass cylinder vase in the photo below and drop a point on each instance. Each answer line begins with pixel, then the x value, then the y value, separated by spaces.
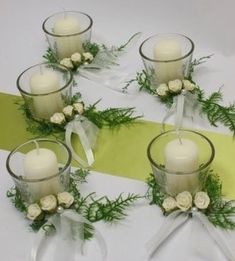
pixel 39 168
pixel 166 57
pixel 180 159
pixel 46 89
pixel 67 32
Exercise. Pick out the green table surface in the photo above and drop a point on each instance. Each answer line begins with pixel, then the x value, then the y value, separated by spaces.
pixel 120 152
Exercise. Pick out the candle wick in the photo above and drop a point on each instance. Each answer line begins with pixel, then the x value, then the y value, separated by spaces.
pixel 37 146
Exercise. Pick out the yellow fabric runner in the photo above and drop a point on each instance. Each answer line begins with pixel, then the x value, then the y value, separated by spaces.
pixel 121 152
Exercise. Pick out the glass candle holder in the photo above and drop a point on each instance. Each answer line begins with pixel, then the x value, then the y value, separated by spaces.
pixel 46 89
pixel 40 167
pixel 166 57
pixel 179 159
pixel 67 32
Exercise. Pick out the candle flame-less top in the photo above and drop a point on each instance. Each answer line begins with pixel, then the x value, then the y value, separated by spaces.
pixel 66 25
pixel 40 163
pixel 166 50
pixel 181 156
pixel 45 82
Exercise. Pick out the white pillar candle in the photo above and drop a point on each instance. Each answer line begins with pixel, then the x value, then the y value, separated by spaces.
pixel 68 43
pixel 181 156
pixel 166 50
pixel 41 163
pixel 46 105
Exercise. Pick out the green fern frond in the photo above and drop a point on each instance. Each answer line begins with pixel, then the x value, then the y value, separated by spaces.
pixel 109 210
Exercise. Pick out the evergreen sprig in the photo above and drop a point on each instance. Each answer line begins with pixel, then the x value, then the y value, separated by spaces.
pixel 109 210
pixel 14 195
pixel 195 63
pixel 154 193
pixel 143 80
pixel 215 112
pixel 111 117
pixel 220 212
pixel 92 48
pixel 50 56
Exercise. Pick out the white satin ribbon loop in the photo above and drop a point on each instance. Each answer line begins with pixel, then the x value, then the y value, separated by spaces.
pixel 217 235
pixel 176 220
pixel 170 225
pixel 87 132
pixel 69 226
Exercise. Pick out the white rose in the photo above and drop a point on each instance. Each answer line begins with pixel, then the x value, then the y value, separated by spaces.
pixel 48 203
pixel 162 89
pixel 169 204
pixel 88 56
pixel 76 57
pixel 33 211
pixel 67 63
pixel 57 118
pixel 201 200
pixel 175 86
pixel 65 199
pixel 79 107
pixel 189 86
pixel 68 110
pixel 184 200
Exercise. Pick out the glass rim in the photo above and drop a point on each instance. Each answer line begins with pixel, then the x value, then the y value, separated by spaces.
pixel 166 61
pixel 48 93
pixel 66 35
pixel 40 179
pixel 204 166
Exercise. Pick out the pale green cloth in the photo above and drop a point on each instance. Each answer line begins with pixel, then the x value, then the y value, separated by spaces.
pixel 120 152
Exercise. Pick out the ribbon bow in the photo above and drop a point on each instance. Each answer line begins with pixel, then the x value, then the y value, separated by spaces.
pixel 87 132
pixel 179 218
pixel 70 228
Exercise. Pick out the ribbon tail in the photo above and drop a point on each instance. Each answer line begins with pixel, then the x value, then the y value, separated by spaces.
pixel 169 113
pixel 179 110
pixel 171 224
pixel 217 235
pixel 75 217
pixel 87 132
pixel 40 236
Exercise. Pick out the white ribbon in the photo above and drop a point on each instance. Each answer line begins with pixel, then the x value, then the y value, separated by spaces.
pixel 217 235
pixel 69 225
pixel 178 108
pixel 87 132
pixel 103 68
pixel 170 225
pixel 176 220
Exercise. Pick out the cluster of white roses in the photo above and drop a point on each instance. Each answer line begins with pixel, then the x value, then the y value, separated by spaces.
pixel 49 204
pixel 175 86
pixel 67 113
pixel 77 59
pixel 184 201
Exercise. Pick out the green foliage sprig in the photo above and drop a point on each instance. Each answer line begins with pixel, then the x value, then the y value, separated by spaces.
pixel 211 106
pixel 111 118
pixel 215 112
pixel 220 212
pixel 91 208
